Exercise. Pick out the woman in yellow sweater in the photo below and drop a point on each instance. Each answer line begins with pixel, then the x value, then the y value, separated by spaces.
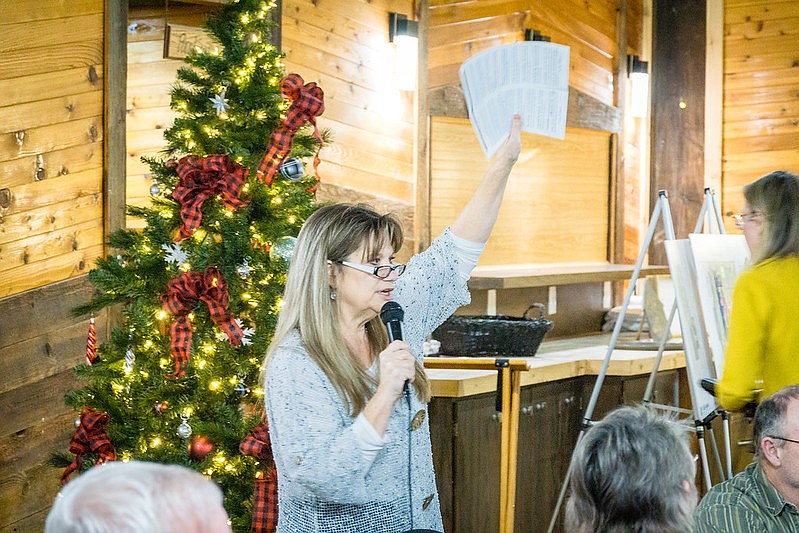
pixel 762 353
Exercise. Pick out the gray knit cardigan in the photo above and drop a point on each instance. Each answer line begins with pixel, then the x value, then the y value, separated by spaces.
pixel 324 482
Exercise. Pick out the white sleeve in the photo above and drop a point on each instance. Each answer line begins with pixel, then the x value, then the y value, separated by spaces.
pixel 468 253
pixel 369 442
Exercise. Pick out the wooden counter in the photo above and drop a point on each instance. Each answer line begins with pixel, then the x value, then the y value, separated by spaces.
pixel 555 360
pixel 468 434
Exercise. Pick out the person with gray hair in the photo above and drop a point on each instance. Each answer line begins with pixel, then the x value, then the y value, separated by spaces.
pixel 137 497
pixel 765 496
pixel 632 472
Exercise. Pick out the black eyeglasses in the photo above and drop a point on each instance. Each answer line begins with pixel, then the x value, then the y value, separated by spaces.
pixel 783 438
pixel 382 271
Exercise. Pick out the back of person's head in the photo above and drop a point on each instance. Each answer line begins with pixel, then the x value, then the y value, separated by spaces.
pixel 776 195
pixel 632 472
pixel 770 415
pixel 136 497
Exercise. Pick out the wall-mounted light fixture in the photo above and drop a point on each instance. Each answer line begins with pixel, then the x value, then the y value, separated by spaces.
pixel 404 33
pixel 638 72
pixel 400 26
pixel 535 35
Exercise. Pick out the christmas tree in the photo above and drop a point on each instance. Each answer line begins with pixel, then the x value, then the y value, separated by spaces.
pixel 200 285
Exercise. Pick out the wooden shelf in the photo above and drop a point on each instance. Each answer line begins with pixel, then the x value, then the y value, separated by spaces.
pixel 523 276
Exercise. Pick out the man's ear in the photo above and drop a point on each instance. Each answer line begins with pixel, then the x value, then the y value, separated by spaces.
pixel 770 451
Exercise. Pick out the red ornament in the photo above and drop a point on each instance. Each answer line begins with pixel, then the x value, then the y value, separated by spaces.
pixel 91 343
pixel 199 448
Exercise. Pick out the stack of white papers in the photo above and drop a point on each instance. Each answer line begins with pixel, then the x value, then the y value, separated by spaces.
pixel 529 78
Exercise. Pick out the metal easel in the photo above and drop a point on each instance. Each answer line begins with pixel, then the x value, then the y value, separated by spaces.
pixel 710 209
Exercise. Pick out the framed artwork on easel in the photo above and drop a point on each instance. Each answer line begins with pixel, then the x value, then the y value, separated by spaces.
pixel 718 261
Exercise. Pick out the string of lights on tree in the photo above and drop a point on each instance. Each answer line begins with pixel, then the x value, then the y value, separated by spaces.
pixel 200 286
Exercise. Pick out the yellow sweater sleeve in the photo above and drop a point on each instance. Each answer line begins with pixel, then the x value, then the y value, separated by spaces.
pixel 743 359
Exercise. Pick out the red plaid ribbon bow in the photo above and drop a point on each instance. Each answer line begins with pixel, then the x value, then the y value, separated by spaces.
pixel 90 437
pixel 182 294
pixel 307 103
pixel 264 512
pixel 201 178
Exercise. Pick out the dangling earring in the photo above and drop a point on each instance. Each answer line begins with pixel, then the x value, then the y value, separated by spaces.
pixel 333 295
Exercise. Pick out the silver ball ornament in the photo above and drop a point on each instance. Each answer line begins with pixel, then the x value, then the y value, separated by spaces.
pixel 155 189
pixel 292 169
pixel 283 248
pixel 184 429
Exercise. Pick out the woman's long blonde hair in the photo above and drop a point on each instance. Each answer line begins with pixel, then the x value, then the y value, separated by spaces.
pixel 332 233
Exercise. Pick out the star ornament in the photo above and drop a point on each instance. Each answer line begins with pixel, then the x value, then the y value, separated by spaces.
pixel 220 103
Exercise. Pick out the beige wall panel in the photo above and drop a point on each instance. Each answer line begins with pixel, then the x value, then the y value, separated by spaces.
pixel 474 30
pixel 52 137
pixel 20 90
pixel 64 32
pixel 56 269
pixel 460 30
pixel 742 97
pixel 370 119
pixel 56 163
pixel 741 11
pixel 443 12
pixel 53 111
pixel 53 217
pixel 12 12
pixel 57 189
pixel 150 80
pixel 760 83
pixel 51 114
pixel 157 73
pixel 38 249
pixel 39 60
pixel 555 208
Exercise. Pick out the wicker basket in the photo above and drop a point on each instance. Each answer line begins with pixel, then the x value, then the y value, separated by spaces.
pixel 493 336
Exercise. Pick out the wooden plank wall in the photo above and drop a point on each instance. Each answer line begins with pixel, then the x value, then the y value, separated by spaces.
pixel 51 230
pixel 340 44
pixel 458 30
pixel 51 145
pixel 150 78
pixel 40 344
pixel 555 207
pixel 343 46
pixel 761 93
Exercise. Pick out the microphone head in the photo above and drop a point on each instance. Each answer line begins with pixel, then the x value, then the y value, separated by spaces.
pixel 391 311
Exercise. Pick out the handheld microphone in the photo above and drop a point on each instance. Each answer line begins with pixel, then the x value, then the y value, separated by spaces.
pixel 392 315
